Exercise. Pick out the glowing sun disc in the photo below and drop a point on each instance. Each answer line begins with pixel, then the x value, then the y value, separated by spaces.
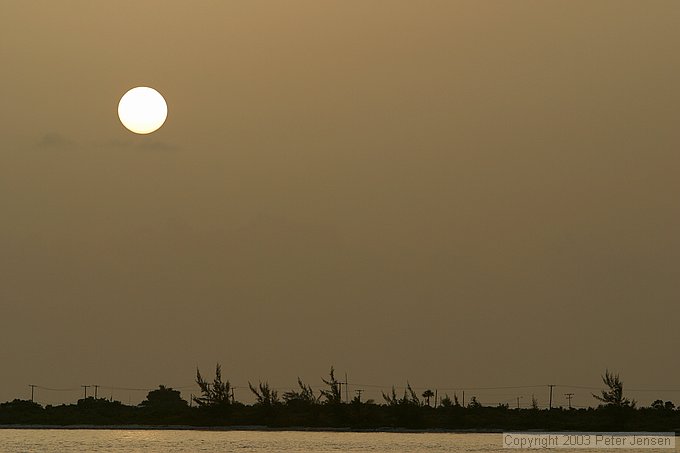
pixel 142 110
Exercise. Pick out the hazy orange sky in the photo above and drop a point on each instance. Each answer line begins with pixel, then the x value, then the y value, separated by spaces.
pixel 477 193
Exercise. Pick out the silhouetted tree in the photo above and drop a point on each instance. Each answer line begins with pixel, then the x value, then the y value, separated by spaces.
pixel 391 398
pixel 660 405
pixel 534 403
pixel 217 393
pixel 413 396
pixel 410 397
pixel 427 394
pixel 446 401
pixel 455 400
pixel 333 394
pixel 474 403
pixel 165 399
pixel 265 395
pixel 613 396
pixel 21 405
pixel 304 396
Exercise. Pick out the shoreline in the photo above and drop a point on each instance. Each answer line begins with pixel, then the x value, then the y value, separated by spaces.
pixel 251 428
pixel 259 428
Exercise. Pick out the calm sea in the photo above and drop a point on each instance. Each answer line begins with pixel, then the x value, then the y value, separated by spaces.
pixel 189 441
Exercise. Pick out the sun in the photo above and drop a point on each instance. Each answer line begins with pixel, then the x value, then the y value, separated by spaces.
pixel 142 110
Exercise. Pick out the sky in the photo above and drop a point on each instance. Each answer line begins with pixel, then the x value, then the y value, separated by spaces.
pixel 457 194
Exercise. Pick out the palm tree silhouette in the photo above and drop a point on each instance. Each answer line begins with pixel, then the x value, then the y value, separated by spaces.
pixel 427 394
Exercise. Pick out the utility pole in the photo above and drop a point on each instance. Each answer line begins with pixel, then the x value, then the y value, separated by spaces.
pixel 96 387
pixel 551 389
pixel 346 390
pixel 518 398
pixel 569 396
pixel 463 398
pixel 32 389
pixel 358 392
pixel 86 387
pixel 435 398
pixel 232 396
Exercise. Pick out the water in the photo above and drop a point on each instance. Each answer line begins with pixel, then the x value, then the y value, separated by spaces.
pixel 190 441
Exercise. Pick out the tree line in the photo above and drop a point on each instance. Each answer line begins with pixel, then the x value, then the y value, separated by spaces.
pixel 305 408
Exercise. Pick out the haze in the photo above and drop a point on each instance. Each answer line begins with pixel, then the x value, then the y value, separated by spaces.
pixel 453 193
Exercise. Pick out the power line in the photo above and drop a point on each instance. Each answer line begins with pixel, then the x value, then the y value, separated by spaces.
pixel 490 388
pixel 626 389
pixel 72 389
pixel 507 387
